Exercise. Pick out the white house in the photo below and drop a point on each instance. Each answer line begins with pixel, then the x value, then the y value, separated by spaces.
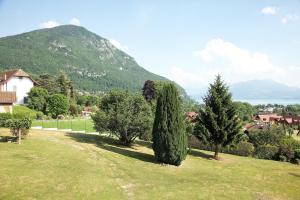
pixel 16 81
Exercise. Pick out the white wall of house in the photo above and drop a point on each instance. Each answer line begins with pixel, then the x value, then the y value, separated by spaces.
pixel 6 108
pixel 22 85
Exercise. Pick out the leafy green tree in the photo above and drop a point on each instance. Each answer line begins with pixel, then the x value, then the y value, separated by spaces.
pixel 37 99
pixel 65 85
pixel 244 110
pixel 169 137
pixel 81 100
pixel 218 122
pixel 272 135
pixel 125 115
pixel 58 104
pixel 92 100
pixel 49 83
pixel 149 91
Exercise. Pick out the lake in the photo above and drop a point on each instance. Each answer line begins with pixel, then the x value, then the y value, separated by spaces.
pixel 270 101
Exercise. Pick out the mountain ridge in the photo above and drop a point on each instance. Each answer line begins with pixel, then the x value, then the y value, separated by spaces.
pixel 91 61
pixel 264 89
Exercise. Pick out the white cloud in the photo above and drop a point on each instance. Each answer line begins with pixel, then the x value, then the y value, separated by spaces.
pixel 289 18
pixel 49 24
pixel 118 45
pixel 234 64
pixel 75 21
pixel 270 10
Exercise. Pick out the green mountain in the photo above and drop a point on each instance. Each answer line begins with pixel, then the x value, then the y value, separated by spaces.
pixel 91 62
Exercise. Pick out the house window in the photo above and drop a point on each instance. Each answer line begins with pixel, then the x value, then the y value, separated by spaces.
pixel 25 100
pixel 15 88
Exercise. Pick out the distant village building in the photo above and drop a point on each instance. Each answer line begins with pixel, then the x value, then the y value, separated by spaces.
pixel 191 116
pixel 14 87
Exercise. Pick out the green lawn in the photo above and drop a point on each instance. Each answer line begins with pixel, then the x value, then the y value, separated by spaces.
pixel 56 165
pixel 75 125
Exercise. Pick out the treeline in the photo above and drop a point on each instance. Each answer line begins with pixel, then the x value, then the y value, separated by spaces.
pixel 53 97
pixel 158 115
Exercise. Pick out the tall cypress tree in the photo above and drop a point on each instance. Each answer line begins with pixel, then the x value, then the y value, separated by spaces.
pixel 169 137
pixel 218 123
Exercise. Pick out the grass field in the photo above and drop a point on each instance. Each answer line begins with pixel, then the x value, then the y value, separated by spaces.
pixel 56 165
pixel 75 125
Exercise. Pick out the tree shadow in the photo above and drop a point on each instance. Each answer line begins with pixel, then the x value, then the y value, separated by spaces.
pixel 200 154
pixel 8 139
pixel 295 174
pixel 112 145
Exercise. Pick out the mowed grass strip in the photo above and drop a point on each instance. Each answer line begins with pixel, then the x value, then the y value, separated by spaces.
pixel 75 124
pixel 56 165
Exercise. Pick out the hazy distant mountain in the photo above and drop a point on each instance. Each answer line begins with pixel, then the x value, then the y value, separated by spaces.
pixel 263 89
pixel 91 61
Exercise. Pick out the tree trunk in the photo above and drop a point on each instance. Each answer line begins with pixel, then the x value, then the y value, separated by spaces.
pixel 19 136
pixel 217 148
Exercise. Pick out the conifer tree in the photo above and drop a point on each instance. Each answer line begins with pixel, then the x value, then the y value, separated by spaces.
pixel 218 123
pixel 169 137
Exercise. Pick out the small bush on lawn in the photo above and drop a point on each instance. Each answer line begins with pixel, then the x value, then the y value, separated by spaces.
pixel 3 118
pixel 19 127
pixel 267 152
pixel 244 149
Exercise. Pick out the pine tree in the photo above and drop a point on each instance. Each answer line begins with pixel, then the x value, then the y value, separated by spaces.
pixel 218 123
pixel 64 84
pixel 169 137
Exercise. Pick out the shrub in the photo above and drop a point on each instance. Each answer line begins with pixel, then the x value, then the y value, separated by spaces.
pixel 243 149
pixel 39 115
pixel 270 136
pixel 267 152
pixel 19 127
pixel 58 104
pixel 287 148
pixel 20 112
pixel 3 118
pixel 282 158
pixel 297 153
pixel 73 110
pixel 296 161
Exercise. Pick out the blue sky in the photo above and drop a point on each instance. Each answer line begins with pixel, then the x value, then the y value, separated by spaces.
pixel 187 41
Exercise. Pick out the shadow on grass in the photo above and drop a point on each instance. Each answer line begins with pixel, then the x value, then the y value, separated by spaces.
pixel 200 154
pixel 295 174
pixel 8 139
pixel 112 145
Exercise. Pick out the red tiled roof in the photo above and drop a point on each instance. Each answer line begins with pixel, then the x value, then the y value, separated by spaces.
pixel 8 97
